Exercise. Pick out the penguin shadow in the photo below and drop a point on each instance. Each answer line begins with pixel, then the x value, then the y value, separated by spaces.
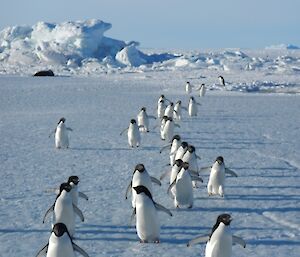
pixel 273 242
pixel 22 230
pixel 99 149
pixel 107 233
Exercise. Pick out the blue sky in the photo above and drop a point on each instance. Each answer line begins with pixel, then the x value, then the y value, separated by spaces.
pixel 189 24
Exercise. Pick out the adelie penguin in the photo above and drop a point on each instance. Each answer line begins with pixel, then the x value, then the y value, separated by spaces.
pixel 73 181
pixel 60 244
pixel 191 157
pixel 143 120
pixel 188 87
pixel 174 145
pixel 147 223
pixel 64 209
pixel 168 130
pixel 133 133
pixel 222 81
pixel 193 107
pixel 219 242
pixel 183 193
pixel 61 134
pixel 216 182
pixel 202 90
pixel 140 177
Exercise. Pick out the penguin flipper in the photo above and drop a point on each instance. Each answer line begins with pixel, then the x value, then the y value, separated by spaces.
pixel 132 215
pixel 198 157
pixel 78 212
pixel 164 148
pixel 176 125
pixel 231 172
pixel 152 117
pixel 83 195
pixel 43 251
pixel 205 168
pixel 155 180
pixel 238 240
pixel 123 131
pixel 164 174
pixel 184 108
pixel 80 250
pixel 199 239
pixel 70 129
pixel 170 187
pixel 194 173
pixel 199 104
pixel 128 189
pixel 51 209
pixel 162 208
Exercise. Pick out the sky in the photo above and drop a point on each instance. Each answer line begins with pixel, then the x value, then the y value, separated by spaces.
pixel 176 24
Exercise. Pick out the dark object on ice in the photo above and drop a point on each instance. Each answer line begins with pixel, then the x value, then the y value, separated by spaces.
pixel 44 73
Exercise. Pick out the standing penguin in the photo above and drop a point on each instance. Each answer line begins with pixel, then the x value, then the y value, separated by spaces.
pixel 192 107
pixel 222 81
pixel 168 130
pixel 60 244
pixel 202 90
pixel 73 181
pixel 147 223
pixel 134 136
pixel 188 87
pixel 63 209
pixel 143 120
pixel 191 157
pixel 176 142
pixel 216 180
pixel 140 177
pixel 61 134
pixel 177 111
pixel 161 106
pixel 183 193
pixel 181 150
pixel 219 242
pixel 169 111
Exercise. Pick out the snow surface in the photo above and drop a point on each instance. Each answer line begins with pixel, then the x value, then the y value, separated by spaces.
pixel 258 135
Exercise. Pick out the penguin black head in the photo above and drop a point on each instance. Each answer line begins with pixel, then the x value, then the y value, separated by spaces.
pixel 170 119
pixel 143 189
pixel 177 137
pixel 192 98
pixel 184 144
pixel 59 229
pixel 133 121
pixel 65 186
pixel 165 118
pixel 140 168
pixel 61 120
pixel 162 96
pixel 162 101
pixel 223 218
pixel 143 109
pixel 191 148
pixel 171 103
pixel 73 179
pixel 185 165
pixel 178 162
pixel 220 160
pixel 179 101
pixel 187 82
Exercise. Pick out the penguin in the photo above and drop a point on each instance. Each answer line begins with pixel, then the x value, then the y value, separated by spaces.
pixel 162 125
pixel 143 120
pixel 219 242
pixel 60 244
pixel 222 81
pixel 61 134
pixel 216 180
pixel 183 193
pixel 162 97
pixel 181 150
pixel 202 90
pixel 140 177
pixel 176 142
pixel 147 223
pixel 73 181
pixel 161 106
pixel 192 107
pixel 177 111
pixel 63 209
pixel 133 133
pixel 169 111
pixel 168 130
pixel 191 157
pixel 188 87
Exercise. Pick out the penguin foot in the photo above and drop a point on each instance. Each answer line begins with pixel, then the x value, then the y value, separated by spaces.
pixel 156 241
pixel 190 207
pixel 143 241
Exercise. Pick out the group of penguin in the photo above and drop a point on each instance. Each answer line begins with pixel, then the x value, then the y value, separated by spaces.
pixel 184 174
pixel 64 209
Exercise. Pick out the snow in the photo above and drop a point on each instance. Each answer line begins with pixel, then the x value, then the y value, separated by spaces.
pixel 102 83
pixel 258 135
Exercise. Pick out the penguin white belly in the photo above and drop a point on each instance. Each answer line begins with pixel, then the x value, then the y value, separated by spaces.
pixel 140 180
pixel 61 138
pixel 216 182
pixel 64 213
pixel 147 224
pixel 192 110
pixel 168 132
pixel 220 244
pixel 134 137
pixel 160 111
pixel 60 246
pixel 143 121
pixel 184 191
pixel 202 91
